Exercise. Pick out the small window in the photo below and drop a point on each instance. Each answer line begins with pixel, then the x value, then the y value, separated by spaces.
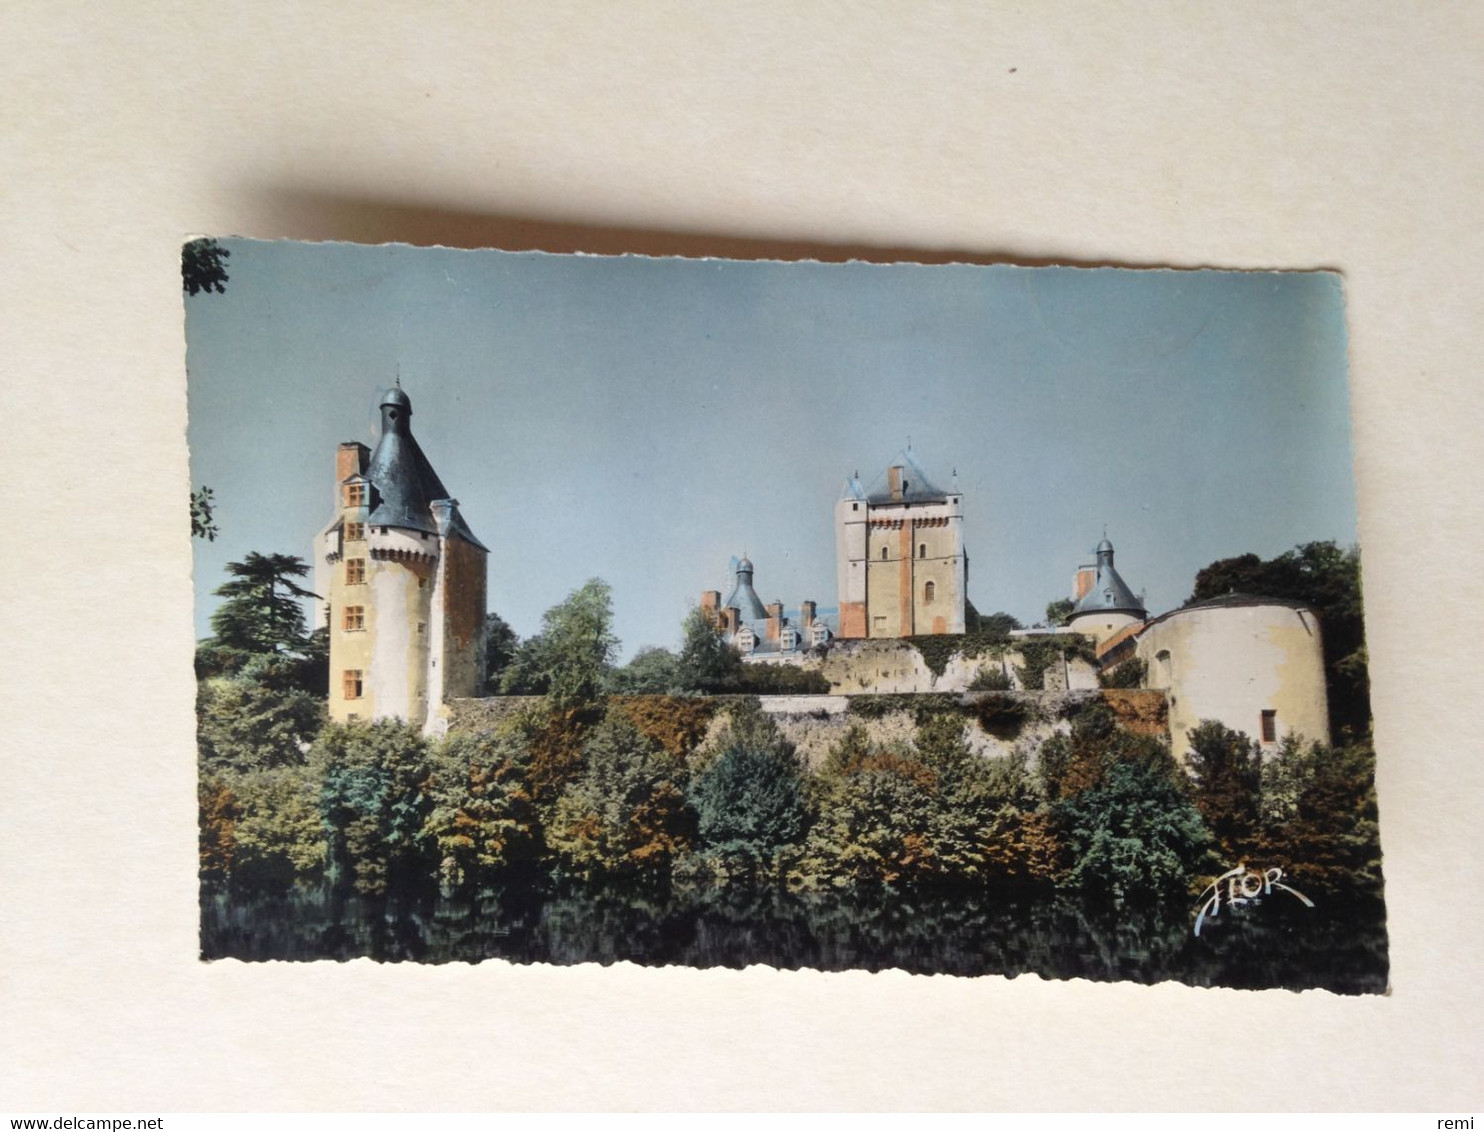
pixel 355 618
pixel 1163 670
pixel 354 532
pixel 922 550
pixel 352 684
pixel 355 494
pixel 855 506
pixel 879 621
pixel 928 590
pixel 355 571
pixel 422 583
pixel 1269 726
pixel 422 626
pixel 883 554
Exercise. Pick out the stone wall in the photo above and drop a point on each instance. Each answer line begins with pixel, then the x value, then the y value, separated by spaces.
pixel 995 723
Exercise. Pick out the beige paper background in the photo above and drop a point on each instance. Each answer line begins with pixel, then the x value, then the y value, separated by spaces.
pixel 1252 135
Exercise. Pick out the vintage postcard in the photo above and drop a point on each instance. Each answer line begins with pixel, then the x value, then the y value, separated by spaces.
pixel 973 620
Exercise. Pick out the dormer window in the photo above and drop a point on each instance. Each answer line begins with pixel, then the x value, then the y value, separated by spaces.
pixel 355 495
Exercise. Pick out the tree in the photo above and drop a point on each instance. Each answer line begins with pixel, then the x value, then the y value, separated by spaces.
pixel 500 646
pixel 1059 610
pixel 1327 579
pixel 256 719
pixel 751 800
pixel 262 613
pixel 707 663
pixel 374 803
pixel 1072 764
pixel 1135 833
pixel 203 267
pixel 626 813
pixel 1226 768
pixel 203 524
pixel 653 672
pixel 568 659
pixel 1320 818
pixel 997 626
pixel 278 836
pixel 483 819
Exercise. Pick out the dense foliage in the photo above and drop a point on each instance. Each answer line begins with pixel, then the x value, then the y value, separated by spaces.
pixel 570 657
pixel 659 785
pixel 203 267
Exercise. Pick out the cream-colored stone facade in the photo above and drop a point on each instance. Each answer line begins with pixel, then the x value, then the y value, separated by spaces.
pixel 901 569
pixel 402 581
pixel 1253 664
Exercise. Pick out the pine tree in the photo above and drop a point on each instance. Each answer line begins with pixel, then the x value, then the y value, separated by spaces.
pixel 262 613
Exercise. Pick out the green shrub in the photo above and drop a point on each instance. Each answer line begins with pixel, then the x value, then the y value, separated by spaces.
pixel 483 816
pixel 374 803
pixel 991 678
pixel 625 814
pixel 1129 674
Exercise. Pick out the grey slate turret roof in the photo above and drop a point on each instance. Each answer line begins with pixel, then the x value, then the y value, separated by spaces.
pixel 743 597
pixel 1109 593
pixel 405 485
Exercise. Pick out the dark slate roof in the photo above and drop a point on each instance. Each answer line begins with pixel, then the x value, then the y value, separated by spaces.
pixel 404 480
pixel 1235 601
pixel 920 488
pixel 1109 592
pixel 744 597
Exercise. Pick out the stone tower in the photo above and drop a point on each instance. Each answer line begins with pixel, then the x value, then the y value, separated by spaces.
pixel 899 551
pixel 404 581
pixel 1105 606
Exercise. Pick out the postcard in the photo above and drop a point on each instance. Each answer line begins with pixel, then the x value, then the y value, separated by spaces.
pixel 953 619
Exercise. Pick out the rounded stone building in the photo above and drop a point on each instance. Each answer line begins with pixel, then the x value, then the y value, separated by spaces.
pixel 1255 664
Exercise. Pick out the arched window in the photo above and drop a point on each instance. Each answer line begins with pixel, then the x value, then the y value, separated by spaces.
pixel 1162 671
pixel 883 554
pixel 928 590
pixel 922 550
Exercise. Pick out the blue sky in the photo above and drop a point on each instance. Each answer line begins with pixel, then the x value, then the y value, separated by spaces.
pixel 645 420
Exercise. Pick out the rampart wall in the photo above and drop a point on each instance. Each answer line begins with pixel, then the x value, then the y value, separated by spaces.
pixel 996 723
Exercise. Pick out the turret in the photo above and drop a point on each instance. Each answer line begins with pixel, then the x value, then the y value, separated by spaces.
pixel 406 582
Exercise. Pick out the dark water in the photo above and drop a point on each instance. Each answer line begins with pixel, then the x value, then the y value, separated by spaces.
pixel 1276 943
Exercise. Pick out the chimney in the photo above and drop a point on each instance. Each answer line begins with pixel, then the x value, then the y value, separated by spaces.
pixel 894 480
pixel 730 617
pixel 1086 576
pixel 775 619
pixel 350 460
pixel 806 614
pixel 711 606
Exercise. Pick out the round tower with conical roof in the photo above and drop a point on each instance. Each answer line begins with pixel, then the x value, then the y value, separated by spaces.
pixel 1105 606
pixel 404 579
